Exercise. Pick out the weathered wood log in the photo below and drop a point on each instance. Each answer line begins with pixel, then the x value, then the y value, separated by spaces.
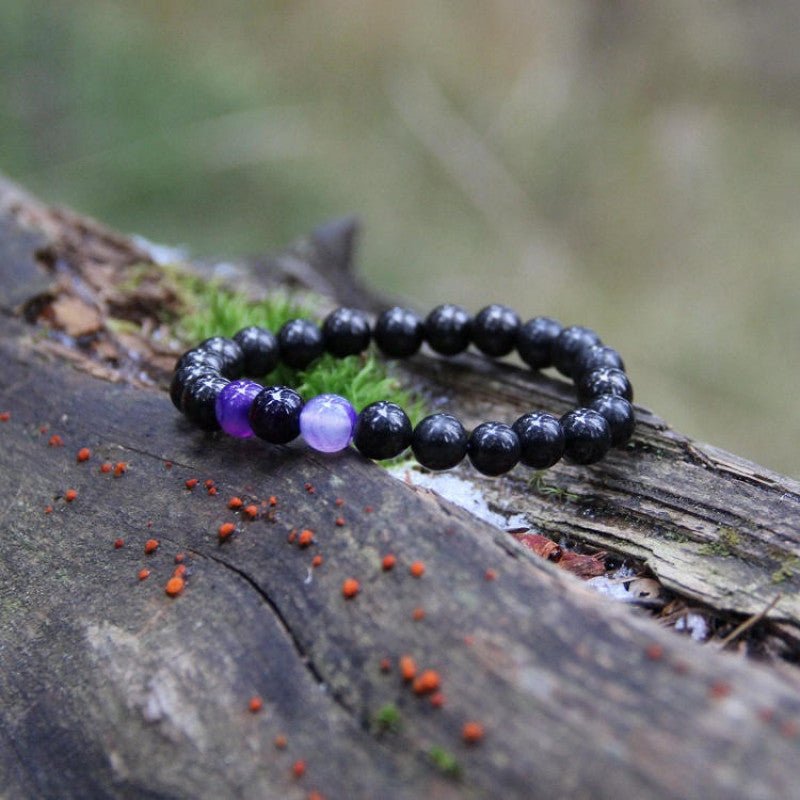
pixel 110 688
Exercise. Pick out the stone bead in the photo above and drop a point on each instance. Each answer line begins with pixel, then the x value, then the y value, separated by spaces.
pixel 233 407
pixel 606 380
pixel 587 436
pixel 275 414
pixel 535 340
pixel 448 329
pixel 183 377
pixel 230 353
pixel 494 330
pixel 569 344
pixel 260 348
pixel 346 332
pixel 541 438
pixel 493 448
pixel 439 441
pixel 398 332
pixel 327 422
pixel 619 415
pixel 382 430
pixel 300 343
pixel 199 400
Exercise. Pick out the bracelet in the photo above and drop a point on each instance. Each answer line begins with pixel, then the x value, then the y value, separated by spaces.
pixel 208 388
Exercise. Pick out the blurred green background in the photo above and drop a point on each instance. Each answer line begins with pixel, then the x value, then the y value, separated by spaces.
pixel 633 166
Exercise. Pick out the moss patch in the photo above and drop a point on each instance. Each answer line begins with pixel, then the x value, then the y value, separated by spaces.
pixel 725 545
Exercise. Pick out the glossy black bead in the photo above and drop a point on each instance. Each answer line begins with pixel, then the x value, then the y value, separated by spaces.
pixel 606 380
pixel 619 415
pixel 587 435
pixel 300 342
pixel 199 400
pixel 230 353
pixel 535 341
pixel 541 439
pixel 494 330
pixel 275 414
pixel 346 332
pixel 382 430
pixel 448 329
pixel 493 448
pixel 200 358
pixel 596 357
pixel 439 441
pixel 398 332
pixel 182 377
pixel 568 345
pixel 260 348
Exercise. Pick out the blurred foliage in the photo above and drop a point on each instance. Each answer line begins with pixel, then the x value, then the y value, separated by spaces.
pixel 633 166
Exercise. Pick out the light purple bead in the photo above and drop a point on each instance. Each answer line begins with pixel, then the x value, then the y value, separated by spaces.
pixel 233 405
pixel 327 422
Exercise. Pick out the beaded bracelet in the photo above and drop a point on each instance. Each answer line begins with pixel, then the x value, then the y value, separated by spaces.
pixel 208 388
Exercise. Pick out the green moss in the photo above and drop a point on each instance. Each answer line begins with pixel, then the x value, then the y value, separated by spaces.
pixel 725 545
pixel 538 484
pixel 444 761
pixel 786 571
pixel 387 719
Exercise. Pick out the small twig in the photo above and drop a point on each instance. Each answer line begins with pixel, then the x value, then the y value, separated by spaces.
pixel 749 623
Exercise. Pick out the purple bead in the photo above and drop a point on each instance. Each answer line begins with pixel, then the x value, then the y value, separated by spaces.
pixel 327 422
pixel 233 405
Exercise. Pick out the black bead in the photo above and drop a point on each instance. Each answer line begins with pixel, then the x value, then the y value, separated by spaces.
pixel 494 330
pixel 260 348
pixel 439 441
pixel 535 341
pixel 346 332
pixel 541 439
pixel 587 435
pixel 275 414
pixel 569 343
pixel 300 343
pixel 230 353
pixel 493 448
pixel 183 377
pixel 448 329
pixel 382 430
pixel 596 357
pixel 606 380
pixel 619 415
pixel 398 332
pixel 199 400
pixel 200 358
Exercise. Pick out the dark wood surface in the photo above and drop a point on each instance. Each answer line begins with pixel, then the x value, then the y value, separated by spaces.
pixel 110 688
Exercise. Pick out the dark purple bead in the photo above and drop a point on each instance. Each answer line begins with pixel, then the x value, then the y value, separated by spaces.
pixel 260 348
pixel 398 332
pixel 619 414
pixel 493 448
pixel 200 400
pixel 597 357
pixel 346 332
pixel 300 343
pixel 541 439
pixel 587 436
pixel 568 345
pixel 183 377
pixel 439 441
pixel 448 329
pixel 494 330
pixel 382 430
pixel 275 414
pixel 605 380
pixel 233 407
pixel 535 341
pixel 230 352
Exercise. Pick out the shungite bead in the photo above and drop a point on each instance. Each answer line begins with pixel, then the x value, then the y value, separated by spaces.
pixel 541 439
pixel 326 423
pixel 619 414
pixel 233 407
pixel 398 332
pixel 606 380
pixel 596 357
pixel 199 400
pixel 382 430
pixel 568 345
pixel 535 341
pixel 346 332
pixel 200 358
pixel 587 435
pixel 493 448
pixel 494 330
pixel 439 441
pixel 300 342
pixel 230 352
pixel 275 414
pixel 260 348
pixel 183 377
pixel 448 329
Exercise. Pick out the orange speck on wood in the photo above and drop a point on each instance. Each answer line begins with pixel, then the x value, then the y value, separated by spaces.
pixel 417 569
pixel 256 704
pixel 168 465
pixel 235 503
pixel 654 652
pixel 48 509
pixel 291 536
pixel 316 561
pixel 70 495
pixel 388 562
pixel 720 689
pixel 437 700
pixel 84 454
pixel 280 742
pixel 368 509
pixel 212 490
pixel 305 538
pixel 208 483
pixel 350 588
pixel 299 768
pixel 250 511
pixel 386 665
pixel 408 668
pixel 226 529
pixel 418 614
pixel 191 483
pixel 174 586
pixel 490 574
pixel 472 732
pixel 180 557
pixel 790 729
pixel 119 543
pixel 339 521
pixel 144 574
pixel 426 682
pixel 315 796
pixel 150 546
pixel 55 441
pixel 105 468
pixel 339 502
pixel 5 416
pixel 120 468
pixel 309 487
pixel 273 501
pixel 179 571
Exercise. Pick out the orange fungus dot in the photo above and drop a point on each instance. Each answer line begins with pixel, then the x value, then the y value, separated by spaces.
pixel 280 742
pixel 226 529
pixel 299 768
pixel 251 511
pixel 84 454
pixel 5 416
pixel 144 574
pixel 120 468
pixel 305 538
pixel 408 668
pixel 70 495
pixel 350 588
pixel 55 441
pixel 426 682
pixel 174 586
pixel 472 732
pixel 150 546
pixel 256 704
pixel 386 665
pixel 119 543
pixel 388 562
pixel 105 468
pixel 417 569
pixel 316 561
pixel 235 503
pixel 418 614
pixel 339 521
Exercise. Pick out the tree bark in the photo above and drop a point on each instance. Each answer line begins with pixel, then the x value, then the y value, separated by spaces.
pixel 111 688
